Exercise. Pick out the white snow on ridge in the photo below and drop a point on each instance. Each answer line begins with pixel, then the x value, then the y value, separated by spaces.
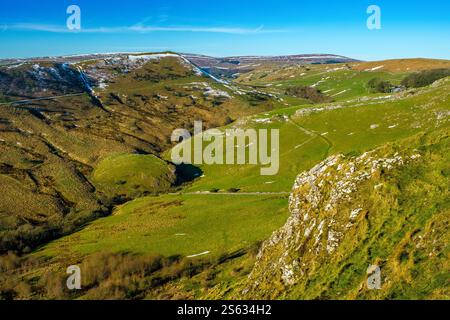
pixel 339 93
pixel 199 254
pixel 147 57
pixel 99 54
pixel 15 65
pixel 294 57
pixel 336 69
pixel 196 69
pixel 317 83
pixel 375 68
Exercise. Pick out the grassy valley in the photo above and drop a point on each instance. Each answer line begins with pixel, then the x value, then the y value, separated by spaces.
pixel 97 188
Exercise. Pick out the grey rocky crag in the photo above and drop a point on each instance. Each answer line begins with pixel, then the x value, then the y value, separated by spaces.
pixel 322 212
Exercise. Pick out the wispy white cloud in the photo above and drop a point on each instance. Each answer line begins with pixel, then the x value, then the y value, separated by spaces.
pixel 139 28
pixel 35 27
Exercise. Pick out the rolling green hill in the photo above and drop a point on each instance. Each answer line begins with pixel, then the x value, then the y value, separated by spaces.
pixel 133 175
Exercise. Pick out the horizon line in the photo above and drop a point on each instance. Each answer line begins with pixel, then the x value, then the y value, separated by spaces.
pixel 205 55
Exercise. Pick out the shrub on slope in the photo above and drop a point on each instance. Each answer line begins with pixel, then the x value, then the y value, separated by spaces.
pixel 309 93
pixel 424 78
pixel 377 85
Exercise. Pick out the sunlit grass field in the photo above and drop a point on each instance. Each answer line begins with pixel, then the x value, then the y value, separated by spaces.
pixel 179 225
pixel 189 224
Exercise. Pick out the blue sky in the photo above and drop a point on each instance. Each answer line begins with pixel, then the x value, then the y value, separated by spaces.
pixel 413 28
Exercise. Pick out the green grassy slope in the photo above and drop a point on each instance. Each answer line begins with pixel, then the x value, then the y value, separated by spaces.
pixel 397 218
pixel 353 127
pixel 50 148
pixel 340 81
pixel 173 224
pixel 229 209
pixel 133 175
pixel 195 210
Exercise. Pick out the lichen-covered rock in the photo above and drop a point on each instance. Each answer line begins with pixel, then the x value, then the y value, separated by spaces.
pixel 322 211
